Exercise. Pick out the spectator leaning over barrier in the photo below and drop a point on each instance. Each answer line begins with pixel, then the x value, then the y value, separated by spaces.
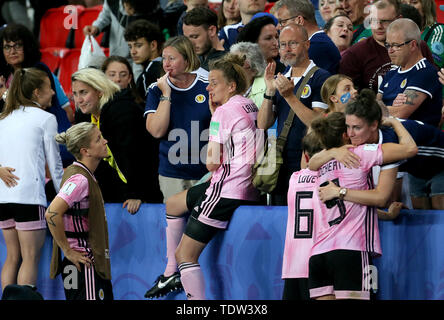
pixel 77 219
pixel 230 157
pixel 121 122
pixel 145 44
pixel 322 50
pixel 200 26
pixel 280 97
pixel 412 91
pixel 28 146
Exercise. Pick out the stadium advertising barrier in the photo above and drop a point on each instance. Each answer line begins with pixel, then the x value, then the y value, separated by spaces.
pixel 245 262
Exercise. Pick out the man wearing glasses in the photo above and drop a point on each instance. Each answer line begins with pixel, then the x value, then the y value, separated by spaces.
pixel 367 61
pixel 302 12
pixel 412 91
pixel 280 96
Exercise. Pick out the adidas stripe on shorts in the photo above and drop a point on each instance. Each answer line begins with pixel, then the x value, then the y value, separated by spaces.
pixel 343 273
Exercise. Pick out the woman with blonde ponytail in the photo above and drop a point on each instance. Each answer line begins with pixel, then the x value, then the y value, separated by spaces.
pixel 26 147
pixel 76 218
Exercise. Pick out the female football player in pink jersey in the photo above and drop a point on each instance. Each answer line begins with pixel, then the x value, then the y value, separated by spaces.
pixel 76 219
pixel 230 157
pixel 346 234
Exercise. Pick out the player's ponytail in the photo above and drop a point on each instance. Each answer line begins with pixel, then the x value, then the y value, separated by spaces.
pixel 76 137
pixel 330 129
pixel 231 66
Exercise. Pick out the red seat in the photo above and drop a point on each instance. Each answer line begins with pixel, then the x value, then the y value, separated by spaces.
pixel 268 6
pixel 68 65
pixel 439 11
pixel 215 6
pixel 86 18
pixel 52 57
pixel 56 24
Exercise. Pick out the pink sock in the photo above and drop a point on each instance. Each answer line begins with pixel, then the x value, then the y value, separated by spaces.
pixel 192 280
pixel 174 232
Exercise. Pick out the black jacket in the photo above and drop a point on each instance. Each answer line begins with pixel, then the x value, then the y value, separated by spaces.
pixel 134 149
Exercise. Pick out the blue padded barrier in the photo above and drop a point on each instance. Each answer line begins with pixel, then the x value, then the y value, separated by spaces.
pixel 244 262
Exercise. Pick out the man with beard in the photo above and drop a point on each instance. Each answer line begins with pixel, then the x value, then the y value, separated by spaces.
pixel 322 50
pixel 293 49
pixel 200 26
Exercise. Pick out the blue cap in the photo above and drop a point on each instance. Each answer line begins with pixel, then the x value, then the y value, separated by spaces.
pixel 265 14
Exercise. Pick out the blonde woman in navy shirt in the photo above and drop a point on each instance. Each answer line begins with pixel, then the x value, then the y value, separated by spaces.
pixel 177 113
